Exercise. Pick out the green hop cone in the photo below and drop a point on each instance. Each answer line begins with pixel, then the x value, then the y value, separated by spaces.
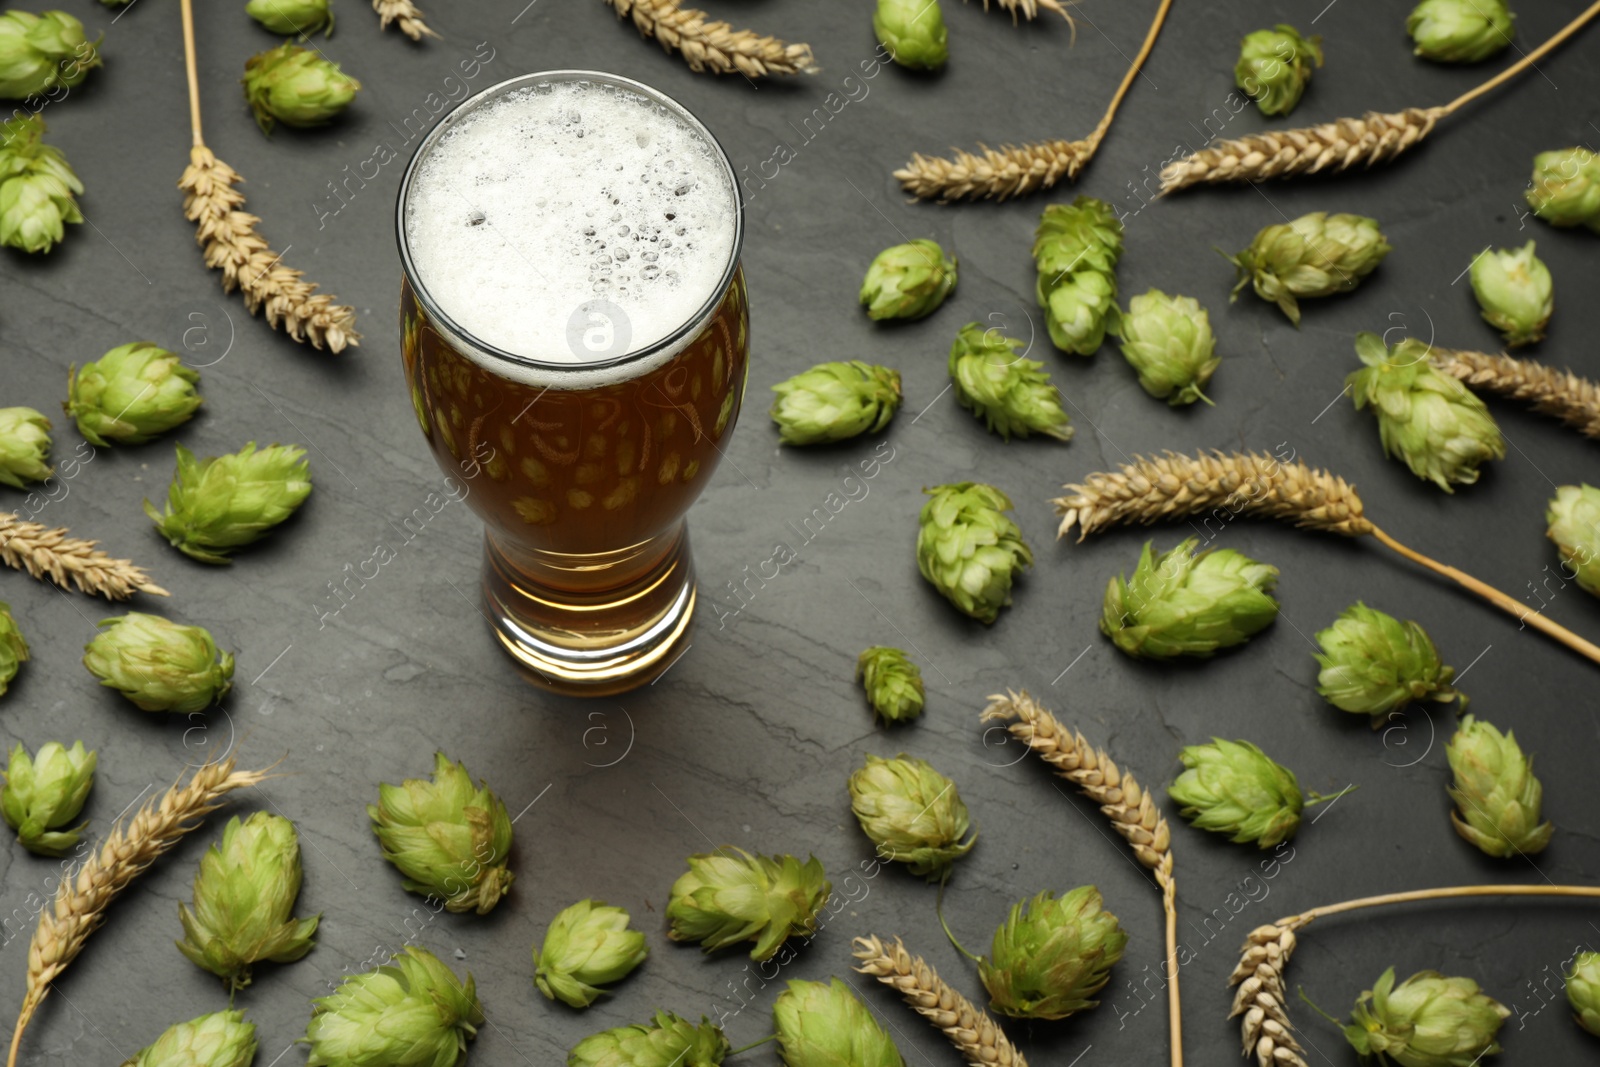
pixel 1583 991
pixel 1441 429
pixel 292 18
pixel 14 652
pixel 159 664
pixel 220 1039
pixel 44 793
pixel 824 1024
pixel 1168 341
pixel 1075 251
pixel 1314 255
pixel 1515 291
pixel 1460 31
pixel 1574 518
pixel 908 281
pixel 913 32
pixel 38 188
pixel 1012 395
pixel 1274 67
pixel 729 896
pixel 912 813
pixel 43 53
pixel 1426 1021
pixel 834 402
pixel 969 549
pixel 131 395
pixel 587 946
pixel 1374 664
pixel 1496 795
pixel 1565 190
pixel 1234 788
pixel 413 1012
pixel 244 901
pixel 295 86
pixel 1051 956
pixel 24 446
pixel 893 683
pixel 1187 603
pixel 669 1041
pixel 450 839
pixel 218 504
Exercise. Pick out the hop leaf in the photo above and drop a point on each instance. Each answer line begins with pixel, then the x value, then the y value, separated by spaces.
pixel 295 86
pixel 42 53
pixel 1274 67
pixel 913 32
pixel 449 839
pixel 729 896
pixel 131 394
pixel 219 504
pixel 44 793
pixel 893 683
pixel 908 281
pixel 14 651
pixel 1050 956
pixel 824 1024
pixel 292 18
pixel 1314 255
pixel 912 813
pixel 1439 427
pixel 24 446
pixel 221 1039
pixel 1188 604
pixel 1514 290
pixel 409 1013
pixel 1565 190
pixel 1075 250
pixel 1232 787
pixel 1168 341
pixel 969 549
pixel 1583 990
pixel 1497 797
pixel 1012 395
pixel 1460 31
pixel 587 946
pixel 1426 1021
pixel 834 402
pixel 159 664
pixel 1374 664
pixel 1573 516
pixel 669 1041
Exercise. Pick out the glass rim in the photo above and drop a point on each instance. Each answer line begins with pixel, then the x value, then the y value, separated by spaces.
pixel 685 330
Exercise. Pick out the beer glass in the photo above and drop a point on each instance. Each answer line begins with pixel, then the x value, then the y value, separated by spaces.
pixel 575 337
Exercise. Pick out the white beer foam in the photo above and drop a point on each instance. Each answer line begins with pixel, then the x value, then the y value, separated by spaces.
pixel 571 222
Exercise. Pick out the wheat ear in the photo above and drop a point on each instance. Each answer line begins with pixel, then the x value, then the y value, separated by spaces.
pixel 131 847
pixel 1573 400
pixel 974 1034
pixel 714 46
pixel 55 554
pixel 1131 809
pixel 404 14
pixel 1029 9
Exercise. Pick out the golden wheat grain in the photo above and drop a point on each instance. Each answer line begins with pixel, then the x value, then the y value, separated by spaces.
pixel 1029 9
pixel 974 1034
pixel 55 554
pixel 1265 1030
pixel 714 46
pixel 1573 400
pixel 404 14
pixel 993 174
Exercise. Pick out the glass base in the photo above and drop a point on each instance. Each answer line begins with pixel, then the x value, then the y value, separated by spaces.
pixel 591 624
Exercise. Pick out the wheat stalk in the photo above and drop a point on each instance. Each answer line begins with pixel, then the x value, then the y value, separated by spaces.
pixel 404 14
pixel 131 847
pixel 1029 9
pixel 1131 809
pixel 1573 400
pixel 714 46
pixel 974 1034
pixel 55 554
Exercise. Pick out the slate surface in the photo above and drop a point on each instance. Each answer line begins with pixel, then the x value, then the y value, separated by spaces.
pixel 748 740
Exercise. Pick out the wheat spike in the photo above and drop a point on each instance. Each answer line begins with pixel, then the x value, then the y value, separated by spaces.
pixel 1029 9
pixel 131 847
pixel 55 554
pixel 228 235
pixel 714 46
pixel 995 174
pixel 1573 400
pixel 975 1035
pixel 405 15
pixel 1265 1030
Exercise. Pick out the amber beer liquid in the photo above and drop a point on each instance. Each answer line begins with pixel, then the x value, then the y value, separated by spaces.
pixel 574 332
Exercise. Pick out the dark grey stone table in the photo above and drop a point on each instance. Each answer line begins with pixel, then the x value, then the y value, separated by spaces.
pixel 748 739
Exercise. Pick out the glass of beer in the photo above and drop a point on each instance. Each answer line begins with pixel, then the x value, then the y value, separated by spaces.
pixel 575 337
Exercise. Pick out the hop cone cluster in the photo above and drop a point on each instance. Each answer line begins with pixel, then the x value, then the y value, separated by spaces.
pixel 1497 797
pixel 1574 520
pixel 1075 250
pixel 913 32
pixel 1234 788
pixel 969 549
pixel 1565 190
pixel 824 1024
pixel 1051 956
pixel 295 86
pixel 222 503
pixel 1440 428
pixel 1168 341
pixel 412 1012
pixel 908 281
pixel 892 682
pixel 38 188
pixel 729 896
pixel 450 839
pixel 1374 664
pixel 24 446
pixel 292 18
pixel 1185 603
pixel 1274 67
pixel 834 402
pixel 1514 289
pixel 1583 991
pixel 44 793
pixel 14 651
pixel 669 1041
pixel 1012 395
pixel 587 946
pixel 131 395
pixel 912 813
pixel 158 664
pixel 220 1039
pixel 42 53
pixel 1314 255
pixel 1428 1020
pixel 1460 31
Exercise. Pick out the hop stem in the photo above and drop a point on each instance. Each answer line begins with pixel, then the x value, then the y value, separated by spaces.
pixel 1313 799
pixel 938 909
pixel 753 1044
